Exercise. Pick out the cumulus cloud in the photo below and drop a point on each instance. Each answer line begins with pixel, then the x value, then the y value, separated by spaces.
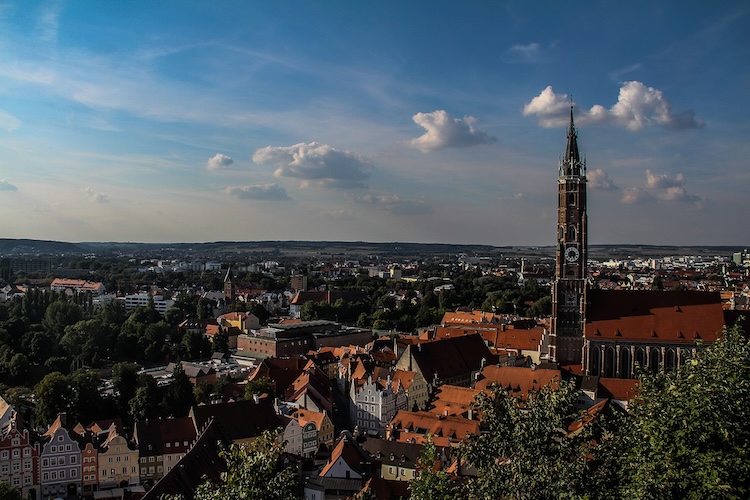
pixel 523 53
pixel 258 192
pixel 219 161
pixel 444 131
pixel 394 204
pixel 8 122
pixel 637 106
pixel 663 188
pixel 599 179
pixel 316 164
pixel 632 195
pixel 663 181
pixel 96 197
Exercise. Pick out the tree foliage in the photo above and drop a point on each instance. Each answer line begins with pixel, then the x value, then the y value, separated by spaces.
pixel 254 471
pixel 431 482
pixel 688 433
pixel 525 450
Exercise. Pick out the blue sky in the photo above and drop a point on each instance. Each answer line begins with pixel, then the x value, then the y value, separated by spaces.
pixel 421 121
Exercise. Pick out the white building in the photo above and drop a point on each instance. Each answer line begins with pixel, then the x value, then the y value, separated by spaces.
pixel 142 299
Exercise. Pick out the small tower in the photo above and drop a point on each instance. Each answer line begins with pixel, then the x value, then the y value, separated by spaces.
pixel 571 256
pixel 228 286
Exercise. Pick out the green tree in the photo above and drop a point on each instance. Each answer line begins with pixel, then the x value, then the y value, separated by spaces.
pixel 147 400
pixel 53 395
pixel 260 386
pixel 180 395
pixel 8 492
pixel 432 482
pixel 526 451
pixel 688 434
pixel 86 399
pixel 124 384
pixel 254 471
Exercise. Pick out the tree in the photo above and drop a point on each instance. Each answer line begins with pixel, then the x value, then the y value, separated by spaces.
pixel 526 451
pixel 147 400
pixel 263 385
pixel 124 384
pixel 8 492
pixel 431 481
pixel 53 395
pixel 86 400
pixel 180 395
pixel 688 434
pixel 253 471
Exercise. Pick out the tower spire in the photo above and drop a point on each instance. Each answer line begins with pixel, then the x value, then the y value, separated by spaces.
pixel 571 151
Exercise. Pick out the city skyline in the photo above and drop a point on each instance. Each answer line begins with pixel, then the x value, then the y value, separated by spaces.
pixel 425 122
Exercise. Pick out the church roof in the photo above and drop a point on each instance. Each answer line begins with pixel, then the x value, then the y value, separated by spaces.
pixel 571 150
pixel 654 316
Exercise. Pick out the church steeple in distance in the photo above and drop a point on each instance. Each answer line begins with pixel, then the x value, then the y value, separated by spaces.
pixel 571 256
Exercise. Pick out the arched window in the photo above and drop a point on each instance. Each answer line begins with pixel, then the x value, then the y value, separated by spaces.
pixel 571 199
pixel 571 233
pixel 670 360
pixel 625 363
pixel 610 362
pixel 654 363
pixel 640 357
pixel 595 361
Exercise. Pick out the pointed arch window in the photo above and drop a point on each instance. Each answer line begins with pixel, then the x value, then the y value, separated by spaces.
pixel 571 233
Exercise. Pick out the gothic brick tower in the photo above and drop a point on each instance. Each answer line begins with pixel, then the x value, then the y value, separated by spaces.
pixel 571 257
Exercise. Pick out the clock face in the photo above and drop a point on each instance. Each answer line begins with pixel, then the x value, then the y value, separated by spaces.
pixel 571 254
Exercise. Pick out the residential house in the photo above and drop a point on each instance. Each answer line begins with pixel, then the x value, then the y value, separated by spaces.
pixel 161 444
pixel 117 460
pixel 241 421
pixel 60 461
pixel 415 426
pixel 449 361
pixel 19 458
pixel 344 474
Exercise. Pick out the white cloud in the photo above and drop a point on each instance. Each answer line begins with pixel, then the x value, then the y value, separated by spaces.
pixel 96 197
pixel 599 179
pixel 258 192
pixel 523 53
pixel 316 164
pixel 637 106
pixel 632 195
pixel 444 131
pixel 664 188
pixel 7 186
pixel 663 181
pixel 219 161
pixel 8 122
pixel 394 204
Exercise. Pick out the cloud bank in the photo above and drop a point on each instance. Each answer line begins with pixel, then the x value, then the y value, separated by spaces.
pixel 218 162
pixel 266 192
pixel 637 107
pixel 599 179
pixel 7 186
pixel 316 164
pixel 444 131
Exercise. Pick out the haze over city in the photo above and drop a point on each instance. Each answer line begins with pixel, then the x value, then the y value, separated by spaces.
pixel 386 121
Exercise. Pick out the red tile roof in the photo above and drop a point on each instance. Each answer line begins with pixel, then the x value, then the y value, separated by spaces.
pixel 654 316
pixel 519 380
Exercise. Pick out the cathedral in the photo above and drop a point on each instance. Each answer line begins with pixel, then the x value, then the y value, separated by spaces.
pixel 608 333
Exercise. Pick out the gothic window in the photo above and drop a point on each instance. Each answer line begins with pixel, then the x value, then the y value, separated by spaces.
pixel 571 199
pixel 561 233
pixel 595 360
pixel 610 362
pixel 625 362
pixel 571 233
pixel 640 357
pixel 670 360
pixel 655 360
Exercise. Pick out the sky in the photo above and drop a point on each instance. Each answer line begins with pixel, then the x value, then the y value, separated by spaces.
pixel 420 121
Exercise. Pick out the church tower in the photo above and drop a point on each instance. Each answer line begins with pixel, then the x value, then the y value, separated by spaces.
pixel 571 257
